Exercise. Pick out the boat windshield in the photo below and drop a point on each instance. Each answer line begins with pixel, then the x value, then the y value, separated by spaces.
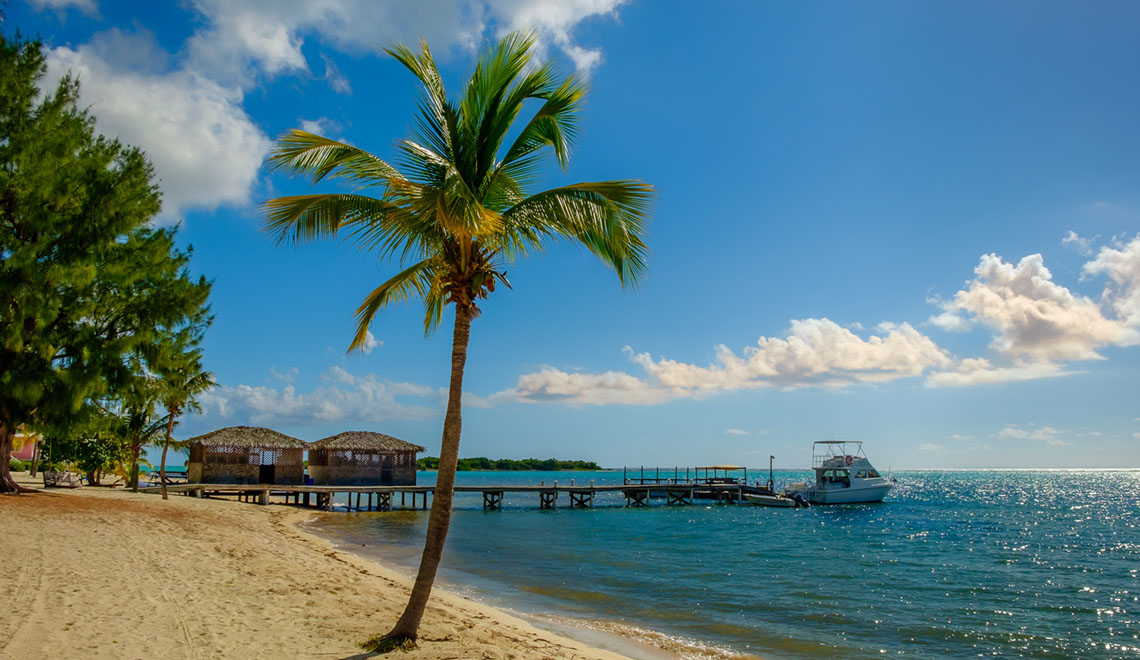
pixel 831 453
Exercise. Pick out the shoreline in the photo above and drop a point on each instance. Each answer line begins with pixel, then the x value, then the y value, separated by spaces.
pixel 110 574
pixel 608 636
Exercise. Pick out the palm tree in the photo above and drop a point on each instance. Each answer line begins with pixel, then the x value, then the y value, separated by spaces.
pixel 454 214
pixel 182 383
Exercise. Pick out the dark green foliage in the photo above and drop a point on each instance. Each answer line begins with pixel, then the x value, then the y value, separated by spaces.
pixel 91 296
pixel 507 464
pixel 16 465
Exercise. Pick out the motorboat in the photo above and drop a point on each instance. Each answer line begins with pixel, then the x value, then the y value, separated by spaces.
pixel 843 475
pixel 775 499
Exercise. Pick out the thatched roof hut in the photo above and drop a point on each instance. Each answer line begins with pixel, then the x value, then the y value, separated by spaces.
pixel 245 455
pixel 363 458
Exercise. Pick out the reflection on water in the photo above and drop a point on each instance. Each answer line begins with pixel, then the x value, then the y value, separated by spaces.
pixel 1040 564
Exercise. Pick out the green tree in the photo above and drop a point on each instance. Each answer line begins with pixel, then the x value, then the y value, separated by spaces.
pixel 85 282
pixel 455 212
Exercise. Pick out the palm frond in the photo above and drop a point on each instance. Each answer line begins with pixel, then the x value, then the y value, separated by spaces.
pixel 555 124
pixel 608 217
pixel 303 218
pixel 299 152
pixel 415 280
pixel 437 120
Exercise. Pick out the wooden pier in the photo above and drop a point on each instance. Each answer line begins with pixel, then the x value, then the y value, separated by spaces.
pixel 382 498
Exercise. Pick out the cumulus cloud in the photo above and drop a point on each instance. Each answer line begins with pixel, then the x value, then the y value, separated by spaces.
pixel 557 386
pixel 816 352
pixel 205 149
pixel 1121 264
pixel 735 432
pixel 345 398
pixel 1033 317
pixel 245 37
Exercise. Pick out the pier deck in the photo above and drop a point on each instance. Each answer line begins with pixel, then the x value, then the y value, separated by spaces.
pixel 382 498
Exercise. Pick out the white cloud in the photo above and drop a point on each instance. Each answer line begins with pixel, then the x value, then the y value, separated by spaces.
pixel 347 399
pixel 205 149
pixel 1035 319
pixel 556 386
pixel 88 7
pixel 336 80
pixel 1136 435
pixel 950 322
pixel 1047 434
pixel 930 446
pixel 245 37
pixel 1121 264
pixel 816 352
pixel 1083 245
pixel 959 438
pixel 735 432
pixel 980 371
pixel 370 342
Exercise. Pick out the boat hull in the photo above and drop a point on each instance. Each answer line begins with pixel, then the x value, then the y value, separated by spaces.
pixel 770 500
pixel 855 495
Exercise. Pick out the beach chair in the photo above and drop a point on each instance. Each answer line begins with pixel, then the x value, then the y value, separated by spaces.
pixel 61 480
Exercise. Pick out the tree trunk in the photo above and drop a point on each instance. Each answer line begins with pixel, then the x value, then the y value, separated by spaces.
pixel 165 446
pixel 35 460
pixel 136 451
pixel 440 517
pixel 7 435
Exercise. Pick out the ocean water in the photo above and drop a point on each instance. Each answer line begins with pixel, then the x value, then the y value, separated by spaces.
pixel 954 564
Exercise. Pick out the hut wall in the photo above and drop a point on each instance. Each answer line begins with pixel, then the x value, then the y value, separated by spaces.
pixel 223 473
pixel 242 465
pixel 341 467
pixel 290 470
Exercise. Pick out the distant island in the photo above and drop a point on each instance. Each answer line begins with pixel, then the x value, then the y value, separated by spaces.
pixel 507 464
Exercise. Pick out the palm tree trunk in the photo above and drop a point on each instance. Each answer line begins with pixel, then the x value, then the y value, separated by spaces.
pixel 136 451
pixel 440 517
pixel 165 446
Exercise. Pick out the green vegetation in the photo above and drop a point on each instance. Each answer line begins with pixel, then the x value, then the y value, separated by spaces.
pixel 455 213
pixel 507 464
pixel 16 465
pixel 95 301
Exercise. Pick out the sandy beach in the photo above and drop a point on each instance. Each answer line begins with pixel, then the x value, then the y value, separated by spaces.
pixel 103 573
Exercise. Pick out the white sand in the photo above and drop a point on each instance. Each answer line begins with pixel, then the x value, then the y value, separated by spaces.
pixel 99 573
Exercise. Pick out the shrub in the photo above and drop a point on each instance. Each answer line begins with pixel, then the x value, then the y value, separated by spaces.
pixel 16 465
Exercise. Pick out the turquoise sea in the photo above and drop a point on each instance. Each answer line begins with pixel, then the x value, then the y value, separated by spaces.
pixel 955 564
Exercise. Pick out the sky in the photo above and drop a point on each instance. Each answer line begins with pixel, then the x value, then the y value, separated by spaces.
pixel 915 225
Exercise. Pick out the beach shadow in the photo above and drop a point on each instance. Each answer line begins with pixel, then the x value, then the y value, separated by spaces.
pixel 360 656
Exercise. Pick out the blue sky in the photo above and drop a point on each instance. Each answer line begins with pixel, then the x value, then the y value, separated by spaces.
pixel 912 224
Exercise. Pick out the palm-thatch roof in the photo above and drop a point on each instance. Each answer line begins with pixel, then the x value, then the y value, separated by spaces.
pixel 365 441
pixel 247 436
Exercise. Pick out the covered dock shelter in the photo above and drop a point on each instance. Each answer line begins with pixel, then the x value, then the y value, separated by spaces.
pixel 245 455
pixel 363 458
